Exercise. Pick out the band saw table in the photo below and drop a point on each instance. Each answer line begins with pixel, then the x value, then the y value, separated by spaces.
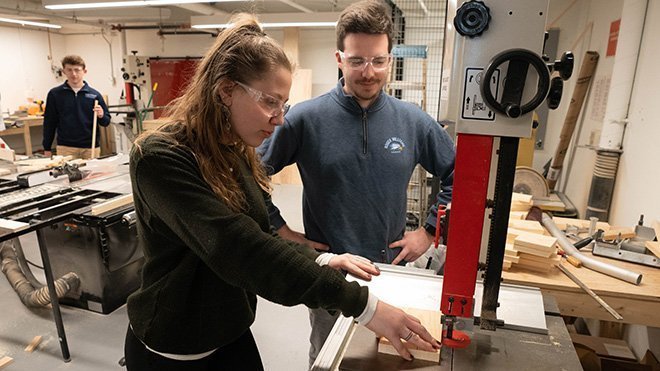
pixel 533 337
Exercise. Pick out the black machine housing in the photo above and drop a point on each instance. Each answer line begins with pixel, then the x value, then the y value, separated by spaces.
pixel 103 251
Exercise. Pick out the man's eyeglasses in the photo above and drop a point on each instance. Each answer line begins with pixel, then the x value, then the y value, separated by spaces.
pixel 379 63
pixel 274 107
pixel 74 70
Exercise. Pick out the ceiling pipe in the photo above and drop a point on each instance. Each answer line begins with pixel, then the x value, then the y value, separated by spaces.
pixel 119 27
pixel 187 32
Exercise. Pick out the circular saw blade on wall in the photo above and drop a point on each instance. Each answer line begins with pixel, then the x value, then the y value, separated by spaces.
pixel 530 182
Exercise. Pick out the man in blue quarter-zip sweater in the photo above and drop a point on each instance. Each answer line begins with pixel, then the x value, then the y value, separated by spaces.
pixel 356 148
pixel 70 113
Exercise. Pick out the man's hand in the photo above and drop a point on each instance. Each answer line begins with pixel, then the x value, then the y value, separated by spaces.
pixel 354 265
pixel 48 153
pixel 297 237
pixel 413 245
pixel 99 111
pixel 395 324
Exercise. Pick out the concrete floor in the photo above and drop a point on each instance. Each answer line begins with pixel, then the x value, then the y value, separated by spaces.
pixel 96 340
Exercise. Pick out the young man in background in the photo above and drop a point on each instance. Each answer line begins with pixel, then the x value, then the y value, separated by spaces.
pixel 70 111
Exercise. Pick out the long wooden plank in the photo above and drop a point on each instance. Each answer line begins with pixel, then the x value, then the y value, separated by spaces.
pixel 112 204
pixel 587 69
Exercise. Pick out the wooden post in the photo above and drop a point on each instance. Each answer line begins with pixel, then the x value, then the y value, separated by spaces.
pixel 586 72
pixel 96 104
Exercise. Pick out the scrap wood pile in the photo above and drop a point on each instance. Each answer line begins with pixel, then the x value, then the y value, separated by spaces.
pixel 530 246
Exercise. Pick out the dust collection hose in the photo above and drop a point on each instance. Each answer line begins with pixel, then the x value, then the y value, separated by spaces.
pixel 591 263
pixel 29 295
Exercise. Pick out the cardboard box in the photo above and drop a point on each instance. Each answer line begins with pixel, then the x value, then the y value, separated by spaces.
pixel 605 354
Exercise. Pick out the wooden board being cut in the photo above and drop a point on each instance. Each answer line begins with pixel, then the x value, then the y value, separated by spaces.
pixel 431 319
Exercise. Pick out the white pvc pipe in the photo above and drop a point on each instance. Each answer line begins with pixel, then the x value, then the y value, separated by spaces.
pixel 587 261
pixel 623 73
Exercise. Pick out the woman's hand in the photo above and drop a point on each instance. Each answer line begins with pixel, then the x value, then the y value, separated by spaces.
pixel 355 265
pixel 394 324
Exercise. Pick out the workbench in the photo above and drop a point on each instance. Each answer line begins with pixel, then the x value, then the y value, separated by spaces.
pixel 27 122
pixel 534 333
pixel 637 304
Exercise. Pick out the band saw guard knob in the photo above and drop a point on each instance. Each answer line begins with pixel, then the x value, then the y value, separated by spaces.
pixel 472 18
pixel 516 109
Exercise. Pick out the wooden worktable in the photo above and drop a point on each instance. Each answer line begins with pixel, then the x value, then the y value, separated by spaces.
pixel 637 304
pixel 28 122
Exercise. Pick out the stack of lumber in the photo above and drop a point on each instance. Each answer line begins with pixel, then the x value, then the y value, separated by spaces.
pixel 528 244
pixel 521 202
pixel 536 252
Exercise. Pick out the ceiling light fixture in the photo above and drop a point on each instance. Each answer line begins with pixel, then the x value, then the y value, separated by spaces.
pixel 29 23
pixel 87 4
pixel 271 25
pixel 271 20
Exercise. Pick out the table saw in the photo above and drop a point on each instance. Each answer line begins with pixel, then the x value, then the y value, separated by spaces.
pixel 84 225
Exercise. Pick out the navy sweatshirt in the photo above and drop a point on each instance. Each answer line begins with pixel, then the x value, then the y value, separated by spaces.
pixel 71 115
pixel 355 165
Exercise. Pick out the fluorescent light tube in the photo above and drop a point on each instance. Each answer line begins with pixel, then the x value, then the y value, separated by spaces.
pixel 122 4
pixel 30 23
pixel 272 25
pixel 271 20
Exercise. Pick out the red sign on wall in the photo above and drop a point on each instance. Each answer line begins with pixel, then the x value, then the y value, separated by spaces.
pixel 613 38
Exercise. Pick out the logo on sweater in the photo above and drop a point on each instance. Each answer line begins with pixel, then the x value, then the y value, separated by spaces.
pixel 395 145
pixel 90 95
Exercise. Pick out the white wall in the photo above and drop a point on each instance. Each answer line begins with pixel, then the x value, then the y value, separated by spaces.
pixel 635 191
pixel 25 66
pixel 638 182
pixel 26 72
pixel 584 27
pixel 317 52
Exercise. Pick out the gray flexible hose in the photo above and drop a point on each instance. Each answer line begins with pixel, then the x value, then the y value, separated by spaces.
pixel 587 261
pixel 30 296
